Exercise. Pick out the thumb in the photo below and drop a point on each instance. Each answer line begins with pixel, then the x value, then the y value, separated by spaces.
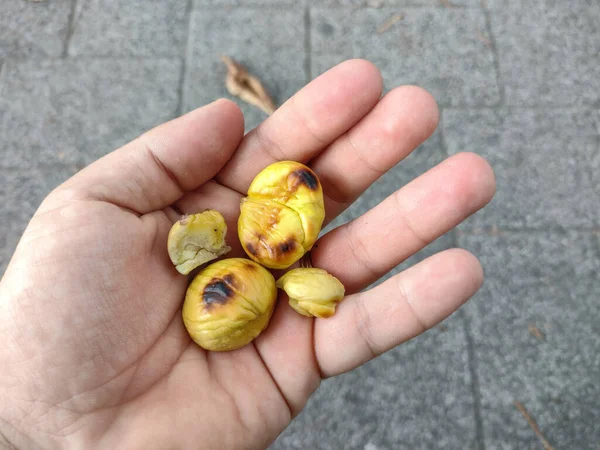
pixel 154 170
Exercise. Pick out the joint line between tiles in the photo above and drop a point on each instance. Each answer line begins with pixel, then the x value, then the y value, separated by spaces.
pixel 442 134
pixel 307 44
pixel 475 386
pixel 70 28
pixel 185 57
pixel 495 54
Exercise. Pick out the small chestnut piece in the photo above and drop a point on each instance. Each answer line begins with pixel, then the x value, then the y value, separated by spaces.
pixel 313 292
pixel 196 239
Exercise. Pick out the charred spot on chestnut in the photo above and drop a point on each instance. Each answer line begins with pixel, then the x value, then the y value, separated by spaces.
pixel 286 247
pixel 250 249
pixel 217 292
pixel 305 177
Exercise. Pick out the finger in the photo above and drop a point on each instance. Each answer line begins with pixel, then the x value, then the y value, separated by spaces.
pixel 307 122
pixel 400 122
pixel 372 322
pixel 155 170
pixel 362 251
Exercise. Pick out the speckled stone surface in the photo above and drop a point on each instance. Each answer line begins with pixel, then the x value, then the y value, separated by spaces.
pixel 33 29
pixel 548 51
pixel 129 28
pixel 546 163
pixel 536 337
pixel 454 42
pixel 74 111
pixel 267 43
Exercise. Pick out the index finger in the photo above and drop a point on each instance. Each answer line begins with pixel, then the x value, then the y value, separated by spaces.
pixel 307 123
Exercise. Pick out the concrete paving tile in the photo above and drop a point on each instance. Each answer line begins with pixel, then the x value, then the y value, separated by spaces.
pixel 33 29
pixel 547 164
pixel 74 111
pixel 444 50
pixel 268 41
pixel 545 285
pixel 129 28
pixel 548 51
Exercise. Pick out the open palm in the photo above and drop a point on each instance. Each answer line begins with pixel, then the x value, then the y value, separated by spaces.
pixel 94 351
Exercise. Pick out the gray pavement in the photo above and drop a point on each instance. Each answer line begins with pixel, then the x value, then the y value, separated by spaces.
pixel 518 82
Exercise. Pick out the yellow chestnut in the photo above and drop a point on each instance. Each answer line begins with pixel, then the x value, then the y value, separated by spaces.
pixel 312 291
pixel 196 239
pixel 228 304
pixel 282 215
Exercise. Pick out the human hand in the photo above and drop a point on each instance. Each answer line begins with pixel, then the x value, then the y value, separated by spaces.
pixel 94 351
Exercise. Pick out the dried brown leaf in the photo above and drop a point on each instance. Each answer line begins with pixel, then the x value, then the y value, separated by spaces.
pixel 483 38
pixel 536 332
pixel 240 83
pixel 534 426
pixel 389 22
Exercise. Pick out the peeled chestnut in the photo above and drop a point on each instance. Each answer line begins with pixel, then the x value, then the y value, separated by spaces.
pixel 229 303
pixel 282 215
